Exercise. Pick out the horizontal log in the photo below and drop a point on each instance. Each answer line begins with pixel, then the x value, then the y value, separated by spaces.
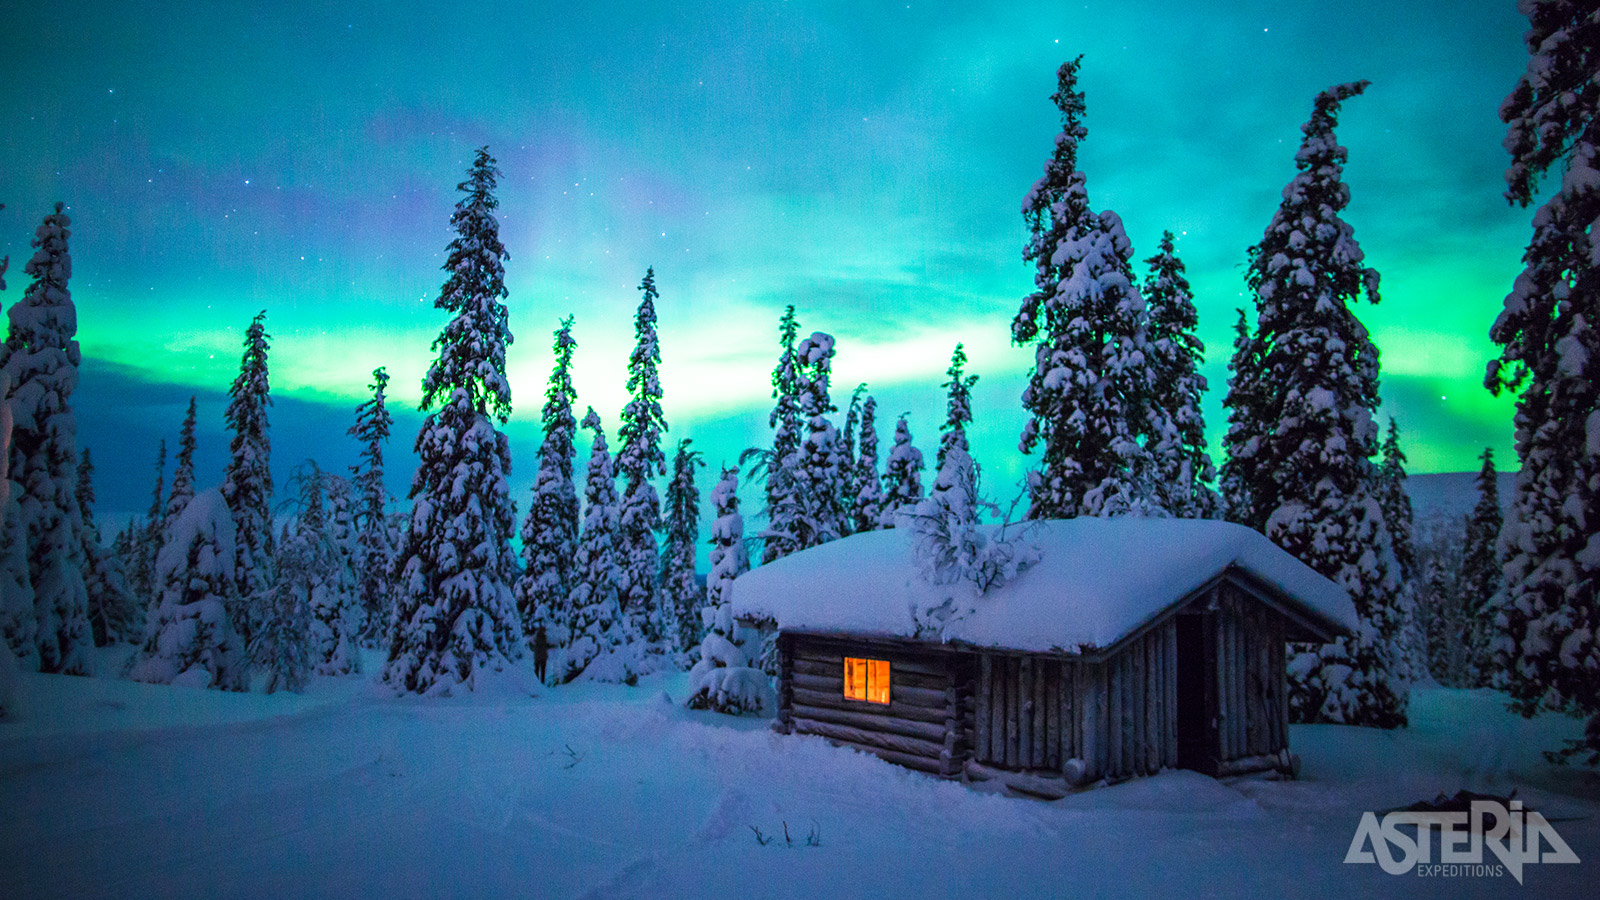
pixel 1048 787
pixel 897 675
pixel 836 700
pixel 913 696
pixel 909 760
pixel 814 650
pixel 908 728
pixel 875 739
pixel 1249 764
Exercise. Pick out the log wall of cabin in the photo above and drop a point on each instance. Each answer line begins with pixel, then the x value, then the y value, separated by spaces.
pixel 1022 712
pixel 1252 722
pixel 1128 714
pixel 921 727
pixel 1118 717
pixel 1081 720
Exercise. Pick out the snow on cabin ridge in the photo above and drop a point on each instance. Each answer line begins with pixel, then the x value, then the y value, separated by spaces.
pixel 1097 581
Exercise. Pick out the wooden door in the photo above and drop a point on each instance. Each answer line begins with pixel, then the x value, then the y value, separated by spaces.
pixel 1197 697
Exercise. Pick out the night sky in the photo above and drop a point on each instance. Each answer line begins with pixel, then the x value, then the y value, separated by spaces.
pixel 863 161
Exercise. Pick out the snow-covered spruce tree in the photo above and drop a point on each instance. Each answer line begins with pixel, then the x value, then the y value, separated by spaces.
pixel 902 476
pixel 598 627
pixel 149 537
pixel 639 458
pixel 1481 569
pixel 330 587
pixel 850 476
pixel 867 505
pixel 454 611
pixel 41 356
pixel 680 592
pixel 188 639
pixel 183 475
pixel 1086 392
pixel 1395 501
pixel 112 612
pixel 16 593
pixel 783 458
pixel 17 623
pixel 281 648
pixel 1444 614
pixel 1546 651
pixel 957 405
pixel 247 481
pixel 821 464
pixel 1317 393
pixel 550 532
pixel 723 679
pixel 1184 472
pixel 375 545
pixel 1246 425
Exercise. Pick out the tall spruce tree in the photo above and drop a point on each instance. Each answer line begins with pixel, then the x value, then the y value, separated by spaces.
pixel 550 532
pixel 850 476
pixel 639 459
pixel 455 614
pixel 16 593
pixel 680 593
pixel 183 476
pixel 782 459
pixel 1546 652
pixel 1247 423
pixel 1316 393
pixel 723 679
pixel 902 476
pixel 112 612
pixel 820 465
pixel 1395 502
pixel 596 626
pixel 374 542
pixel 867 505
pixel 247 481
pixel 1481 568
pixel 1184 472
pixel 149 540
pixel 41 358
pixel 1086 393
pixel 957 405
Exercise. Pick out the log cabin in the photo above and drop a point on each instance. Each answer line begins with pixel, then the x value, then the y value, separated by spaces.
pixel 1130 646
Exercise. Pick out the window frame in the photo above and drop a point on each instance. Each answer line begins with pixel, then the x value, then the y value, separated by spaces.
pixel 874 677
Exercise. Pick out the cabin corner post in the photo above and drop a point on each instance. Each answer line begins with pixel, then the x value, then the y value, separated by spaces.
pixel 984 708
pixel 951 761
pixel 785 720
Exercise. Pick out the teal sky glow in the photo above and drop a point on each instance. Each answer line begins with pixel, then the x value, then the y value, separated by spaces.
pixel 865 162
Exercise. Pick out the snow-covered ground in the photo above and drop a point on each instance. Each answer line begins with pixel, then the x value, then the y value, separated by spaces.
pixel 116 789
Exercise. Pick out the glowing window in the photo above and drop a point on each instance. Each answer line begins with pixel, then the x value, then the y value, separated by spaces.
pixel 866 679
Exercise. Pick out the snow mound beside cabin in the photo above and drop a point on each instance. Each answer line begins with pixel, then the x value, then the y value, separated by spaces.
pixel 1097 580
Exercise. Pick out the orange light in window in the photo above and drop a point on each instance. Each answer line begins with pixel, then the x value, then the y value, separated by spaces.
pixel 866 679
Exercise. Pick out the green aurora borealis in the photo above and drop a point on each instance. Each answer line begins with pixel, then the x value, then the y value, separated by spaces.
pixel 865 162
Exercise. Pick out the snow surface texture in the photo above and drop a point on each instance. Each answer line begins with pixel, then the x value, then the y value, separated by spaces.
pixel 1096 581
pixel 141 791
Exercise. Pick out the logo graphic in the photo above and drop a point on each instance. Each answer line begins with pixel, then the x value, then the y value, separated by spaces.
pixel 1403 841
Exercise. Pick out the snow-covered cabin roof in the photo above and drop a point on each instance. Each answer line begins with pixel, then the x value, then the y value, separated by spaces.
pixel 1096 582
